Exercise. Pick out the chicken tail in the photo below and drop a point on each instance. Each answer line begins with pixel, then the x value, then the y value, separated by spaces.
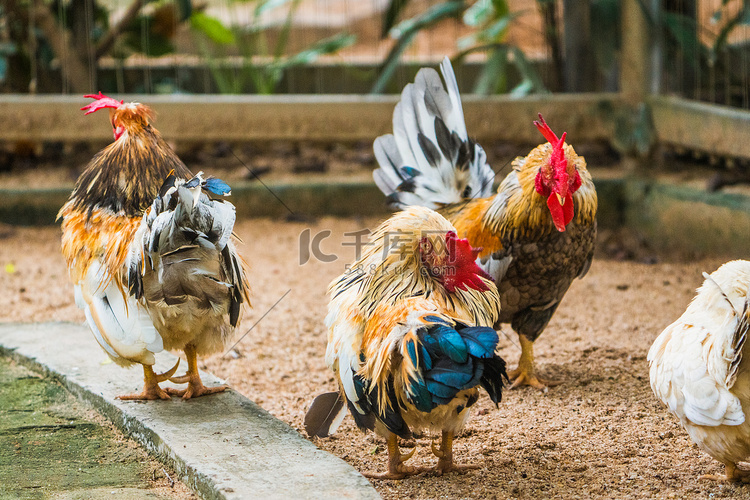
pixel 185 238
pixel 450 359
pixel 429 159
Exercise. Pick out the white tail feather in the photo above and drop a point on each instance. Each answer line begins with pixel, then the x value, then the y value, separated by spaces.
pixel 429 159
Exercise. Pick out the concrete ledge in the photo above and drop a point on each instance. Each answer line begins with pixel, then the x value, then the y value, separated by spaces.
pixel 223 446
pixel 40 206
pixel 670 216
pixel 719 130
pixel 341 118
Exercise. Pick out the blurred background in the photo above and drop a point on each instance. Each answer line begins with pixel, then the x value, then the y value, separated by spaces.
pixel 279 88
pixel 699 49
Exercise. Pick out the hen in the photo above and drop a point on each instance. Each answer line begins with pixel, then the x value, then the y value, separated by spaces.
pixel 410 338
pixel 698 368
pixel 150 254
pixel 537 232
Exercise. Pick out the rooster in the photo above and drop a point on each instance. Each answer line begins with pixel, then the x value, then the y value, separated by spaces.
pixel 150 253
pixel 537 232
pixel 699 369
pixel 410 338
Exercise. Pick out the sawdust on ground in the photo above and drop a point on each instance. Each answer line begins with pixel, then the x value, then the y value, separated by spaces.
pixel 601 434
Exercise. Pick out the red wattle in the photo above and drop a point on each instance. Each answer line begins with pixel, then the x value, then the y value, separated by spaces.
pixel 561 214
pixel 568 208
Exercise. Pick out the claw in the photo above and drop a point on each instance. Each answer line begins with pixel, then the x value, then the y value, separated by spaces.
pixel 437 451
pixel 181 379
pixel 161 377
pixel 406 456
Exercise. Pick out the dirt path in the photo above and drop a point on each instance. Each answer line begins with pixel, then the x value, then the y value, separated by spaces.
pixel 601 434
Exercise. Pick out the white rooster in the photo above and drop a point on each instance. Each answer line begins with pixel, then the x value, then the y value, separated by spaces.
pixel 698 368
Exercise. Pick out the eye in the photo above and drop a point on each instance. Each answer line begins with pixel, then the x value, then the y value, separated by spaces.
pixel 425 246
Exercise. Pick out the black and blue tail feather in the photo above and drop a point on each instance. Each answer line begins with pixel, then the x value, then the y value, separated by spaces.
pixel 452 359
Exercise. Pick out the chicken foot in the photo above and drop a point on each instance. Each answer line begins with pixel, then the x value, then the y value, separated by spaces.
pixel 396 467
pixel 525 373
pixel 733 473
pixel 195 386
pixel 445 457
pixel 151 389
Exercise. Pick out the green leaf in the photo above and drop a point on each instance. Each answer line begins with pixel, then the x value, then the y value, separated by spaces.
pixel 501 7
pixel 266 5
pixel 494 75
pixel 327 46
pixel 478 13
pixel 495 32
pixel 153 45
pixel 430 17
pixel 406 31
pixel 527 70
pixel 390 17
pixel 212 28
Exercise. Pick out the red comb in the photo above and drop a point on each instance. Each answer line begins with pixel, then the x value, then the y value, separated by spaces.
pixel 547 132
pixel 102 101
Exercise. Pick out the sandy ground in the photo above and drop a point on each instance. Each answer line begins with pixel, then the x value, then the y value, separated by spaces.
pixel 600 434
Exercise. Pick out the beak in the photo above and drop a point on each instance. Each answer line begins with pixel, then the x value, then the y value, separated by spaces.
pixel 560 198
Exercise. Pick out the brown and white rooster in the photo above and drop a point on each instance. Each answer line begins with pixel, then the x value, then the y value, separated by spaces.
pixel 150 253
pixel 700 370
pixel 410 338
pixel 537 232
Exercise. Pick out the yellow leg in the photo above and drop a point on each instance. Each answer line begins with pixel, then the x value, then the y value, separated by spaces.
pixel 195 386
pixel 151 389
pixel 396 467
pixel 525 373
pixel 733 474
pixel 445 456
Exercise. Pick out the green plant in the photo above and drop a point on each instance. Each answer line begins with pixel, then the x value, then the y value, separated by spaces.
pixel 78 33
pixel 489 19
pixel 263 60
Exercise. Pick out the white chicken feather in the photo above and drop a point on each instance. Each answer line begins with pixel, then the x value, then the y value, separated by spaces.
pixel 698 368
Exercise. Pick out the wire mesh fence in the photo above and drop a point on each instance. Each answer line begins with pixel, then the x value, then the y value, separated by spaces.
pixel 704 50
pixel 253 46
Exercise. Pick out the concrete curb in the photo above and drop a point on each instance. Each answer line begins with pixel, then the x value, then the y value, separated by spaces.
pixel 669 216
pixel 223 446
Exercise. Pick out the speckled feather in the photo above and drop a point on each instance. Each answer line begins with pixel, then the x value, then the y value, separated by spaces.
pixel 532 263
pixel 378 309
pixel 102 226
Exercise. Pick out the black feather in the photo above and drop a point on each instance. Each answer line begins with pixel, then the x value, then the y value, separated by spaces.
pixel 168 184
pixel 135 280
pixel 530 322
pixel 430 151
pixel 368 401
pixel 408 186
pixel 465 155
pixel 445 140
pixel 494 377
pixel 365 422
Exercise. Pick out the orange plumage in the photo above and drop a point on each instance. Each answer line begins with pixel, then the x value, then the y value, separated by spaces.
pixel 149 252
pixel 537 231
pixel 410 337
